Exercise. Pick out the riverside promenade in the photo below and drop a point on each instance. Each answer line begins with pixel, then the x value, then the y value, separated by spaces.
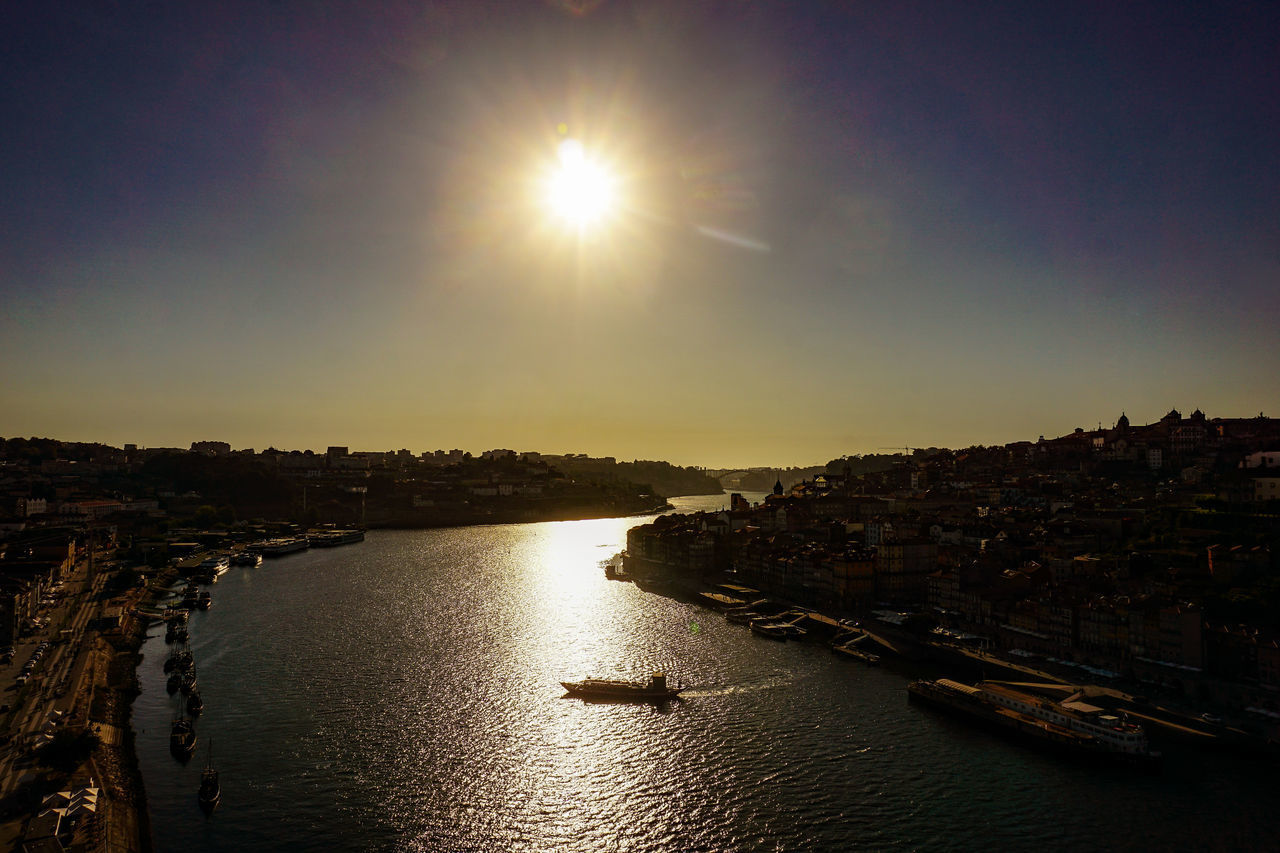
pixel 83 682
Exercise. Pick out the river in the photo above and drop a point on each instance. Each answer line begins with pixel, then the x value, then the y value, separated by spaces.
pixel 402 694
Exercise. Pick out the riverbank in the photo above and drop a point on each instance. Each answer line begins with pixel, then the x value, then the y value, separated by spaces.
pixel 71 731
pixel 918 654
pixel 441 517
pixel 114 761
pixel 321 668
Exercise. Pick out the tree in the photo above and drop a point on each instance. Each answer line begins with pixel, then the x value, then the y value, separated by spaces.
pixel 125 579
pixel 68 749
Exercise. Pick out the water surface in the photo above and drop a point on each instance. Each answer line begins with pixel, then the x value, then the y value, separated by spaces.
pixel 402 694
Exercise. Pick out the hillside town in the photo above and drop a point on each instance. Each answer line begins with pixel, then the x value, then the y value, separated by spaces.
pixel 145 492
pixel 1140 555
pixel 93 537
pixel 1144 553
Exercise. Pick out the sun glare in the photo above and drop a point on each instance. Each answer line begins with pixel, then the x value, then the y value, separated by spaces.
pixel 579 191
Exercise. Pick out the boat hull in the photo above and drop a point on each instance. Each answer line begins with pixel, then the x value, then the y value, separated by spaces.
pixel 599 693
pixel 210 792
pixel 1027 729
pixel 773 632
pixel 857 654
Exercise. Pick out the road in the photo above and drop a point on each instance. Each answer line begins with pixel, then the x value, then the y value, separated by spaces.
pixel 53 696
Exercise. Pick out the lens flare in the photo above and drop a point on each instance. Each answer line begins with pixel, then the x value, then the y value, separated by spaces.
pixel 579 191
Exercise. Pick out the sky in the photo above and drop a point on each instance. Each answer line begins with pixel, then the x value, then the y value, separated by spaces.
pixel 836 227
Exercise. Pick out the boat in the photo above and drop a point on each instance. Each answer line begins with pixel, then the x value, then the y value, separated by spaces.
pixel 741 617
pixel 772 630
pixel 174 682
pixel 1071 725
pixel 182 738
pixel 187 682
pixel 204 601
pixel 210 792
pixel 333 538
pixel 655 584
pixel 849 650
pixel 212 568
pixel 247 557
pixel 613 690
pixel 280 547
pixel 180 661
pixel 615 571
pixel 793 629
pixel 194 703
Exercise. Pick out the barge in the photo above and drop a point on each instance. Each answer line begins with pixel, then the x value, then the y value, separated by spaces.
pixel 1072 725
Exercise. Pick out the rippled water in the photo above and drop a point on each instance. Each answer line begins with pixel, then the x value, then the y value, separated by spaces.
pixel 402 694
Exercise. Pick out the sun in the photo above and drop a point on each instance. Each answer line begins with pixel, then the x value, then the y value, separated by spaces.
pixel 579 192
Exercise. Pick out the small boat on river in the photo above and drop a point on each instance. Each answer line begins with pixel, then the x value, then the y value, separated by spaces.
pixel 247 557
pixel 210 792
pixel 182 738
pixel 772 630
pixel 655 689
pixel 180 661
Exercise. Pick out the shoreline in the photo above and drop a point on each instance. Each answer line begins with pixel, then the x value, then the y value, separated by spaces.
pixel 113 701
pixel 448 520
pixel 1163 721
pixel 116 765
pixel 83 708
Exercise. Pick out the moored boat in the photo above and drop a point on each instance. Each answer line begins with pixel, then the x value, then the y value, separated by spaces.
pixel 333 538
pixel 1071 725
pixel 615 690
pixel 181 660
pixel 849 650
pixel 182 738
pixel 741 617
pixel 247 557
pixel 772 630
pixel 280 547
pixel 793 630
pixel 212 568
pixel 210 790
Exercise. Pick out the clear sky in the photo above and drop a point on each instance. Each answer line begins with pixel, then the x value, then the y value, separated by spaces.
pixel 834 227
